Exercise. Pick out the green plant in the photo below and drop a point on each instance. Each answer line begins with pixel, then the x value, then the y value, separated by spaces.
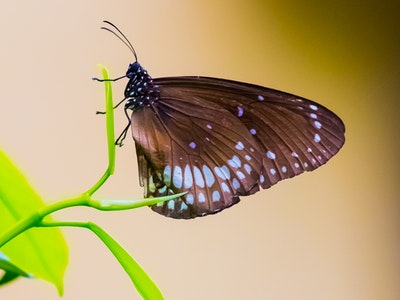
pixel 26 249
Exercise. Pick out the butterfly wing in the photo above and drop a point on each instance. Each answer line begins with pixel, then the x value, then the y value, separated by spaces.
pixel 218 139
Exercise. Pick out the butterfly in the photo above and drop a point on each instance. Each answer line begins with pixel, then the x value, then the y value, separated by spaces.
pixel 219 139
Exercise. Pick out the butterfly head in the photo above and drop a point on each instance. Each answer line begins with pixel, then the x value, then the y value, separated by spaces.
pixel 135 69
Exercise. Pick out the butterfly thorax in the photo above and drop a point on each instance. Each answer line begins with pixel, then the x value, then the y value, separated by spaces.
pixel 140 90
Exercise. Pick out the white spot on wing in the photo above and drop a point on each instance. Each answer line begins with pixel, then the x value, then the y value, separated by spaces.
pixel 240 175
pixel 184 206
pixel 152 186
pixel 235 183
pixel 317 125
pixel 239 146
pixel 262 179
pixel 177 179
pixel 198 177
pixel 192 145
pixel 162 190
pixel 234 162
pixel 240 111
pixel 216 196
pixel 189 199
pixel 171 204
pixel 209 176
pixel 317 138
pixel 167 175
pixel 225 187
pixel 271 155
pixel 188 182
pixel 247 168
pixel 222 172
pixel 201 197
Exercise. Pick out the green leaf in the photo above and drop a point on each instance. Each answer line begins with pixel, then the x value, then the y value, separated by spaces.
pixel 8 277
pixel 41 252
pixel 7 266
pixel 143 283
pixel 114 204
pixel 11 271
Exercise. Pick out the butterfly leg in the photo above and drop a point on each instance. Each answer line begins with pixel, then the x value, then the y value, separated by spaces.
pixel 122 136
pixel 110 79
pixel 118 104
pixel 113 79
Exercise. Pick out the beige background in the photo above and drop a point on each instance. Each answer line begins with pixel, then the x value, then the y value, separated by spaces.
pixel 329 234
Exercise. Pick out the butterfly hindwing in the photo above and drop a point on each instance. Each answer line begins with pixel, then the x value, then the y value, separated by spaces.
pixel 204 151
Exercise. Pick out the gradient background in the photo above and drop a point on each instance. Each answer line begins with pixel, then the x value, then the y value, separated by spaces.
pixel 329 234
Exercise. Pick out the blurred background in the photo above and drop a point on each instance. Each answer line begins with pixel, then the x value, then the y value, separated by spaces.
pixel 329 234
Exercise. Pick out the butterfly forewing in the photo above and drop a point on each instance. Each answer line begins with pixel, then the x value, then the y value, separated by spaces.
pixel 293 133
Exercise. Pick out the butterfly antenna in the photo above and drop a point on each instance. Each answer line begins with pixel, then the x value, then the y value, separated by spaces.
pixel 123 38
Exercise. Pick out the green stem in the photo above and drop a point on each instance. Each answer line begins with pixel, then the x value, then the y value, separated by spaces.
pixel 35 218
pixel 110 134
pixel 84 199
